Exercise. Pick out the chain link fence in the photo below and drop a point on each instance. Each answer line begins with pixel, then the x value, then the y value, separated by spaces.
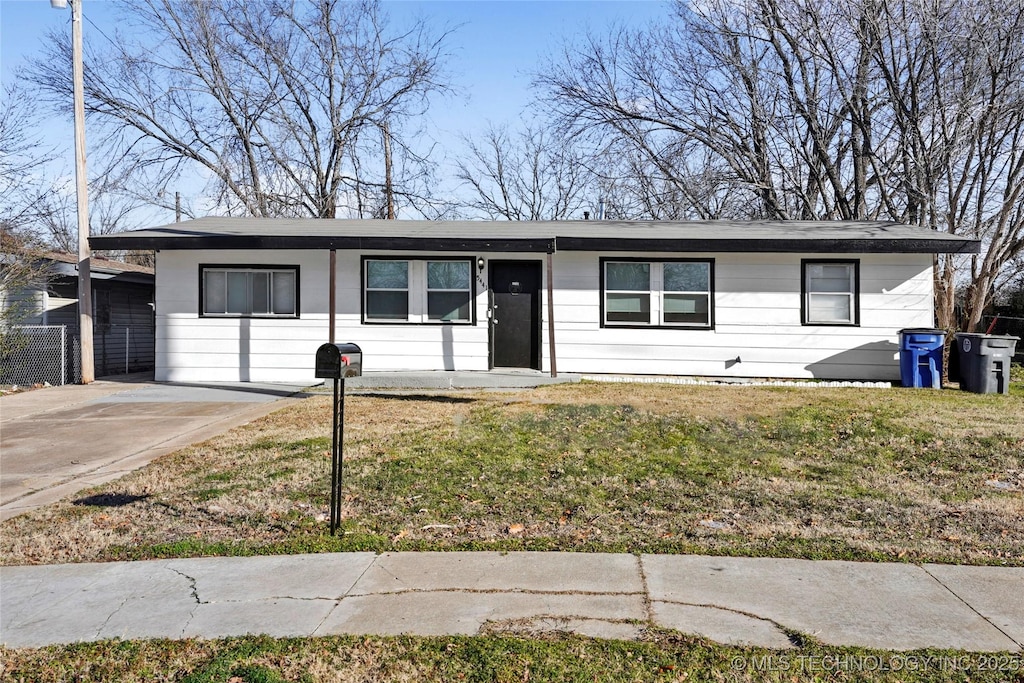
pixel 37 354
pixel 49 354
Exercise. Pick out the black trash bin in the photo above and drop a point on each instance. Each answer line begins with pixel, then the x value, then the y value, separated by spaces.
pixel 985 362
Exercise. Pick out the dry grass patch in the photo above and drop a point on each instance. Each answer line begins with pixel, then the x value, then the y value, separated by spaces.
pixel 816 473
pixel 662 656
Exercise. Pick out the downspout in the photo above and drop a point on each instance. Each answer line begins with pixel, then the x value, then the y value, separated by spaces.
pixel 551 312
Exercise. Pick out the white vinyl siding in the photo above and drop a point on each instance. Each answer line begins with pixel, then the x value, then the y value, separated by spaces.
pixel 757 315
pixel 193 348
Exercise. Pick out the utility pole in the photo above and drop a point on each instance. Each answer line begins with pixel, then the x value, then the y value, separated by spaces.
pixel 81 185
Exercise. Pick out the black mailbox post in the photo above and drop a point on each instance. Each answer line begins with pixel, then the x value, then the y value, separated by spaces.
pixel 338 361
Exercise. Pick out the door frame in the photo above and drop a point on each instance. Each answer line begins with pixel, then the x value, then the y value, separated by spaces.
pixel 537 363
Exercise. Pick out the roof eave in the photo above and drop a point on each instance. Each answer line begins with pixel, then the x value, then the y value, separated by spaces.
pixel 781 246
pixel 128 241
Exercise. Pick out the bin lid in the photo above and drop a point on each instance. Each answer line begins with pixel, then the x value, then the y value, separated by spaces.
pixel 979 335
pixel 922 330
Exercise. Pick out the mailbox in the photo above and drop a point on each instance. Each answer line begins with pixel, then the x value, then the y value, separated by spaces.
pixel 338 361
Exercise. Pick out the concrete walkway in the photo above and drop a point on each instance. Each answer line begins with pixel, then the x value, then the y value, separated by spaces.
pixel 730 600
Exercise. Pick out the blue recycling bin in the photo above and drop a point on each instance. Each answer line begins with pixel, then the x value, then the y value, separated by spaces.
pixel 921 357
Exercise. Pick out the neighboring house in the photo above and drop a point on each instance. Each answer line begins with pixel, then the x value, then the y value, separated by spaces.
pixel 123 320
pixel 247 299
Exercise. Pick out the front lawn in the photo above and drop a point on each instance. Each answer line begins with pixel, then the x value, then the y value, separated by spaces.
pixel 867 474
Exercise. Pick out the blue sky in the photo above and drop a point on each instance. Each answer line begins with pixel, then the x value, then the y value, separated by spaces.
pixel 495 45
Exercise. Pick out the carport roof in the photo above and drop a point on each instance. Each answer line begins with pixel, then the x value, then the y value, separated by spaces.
pixel 542 236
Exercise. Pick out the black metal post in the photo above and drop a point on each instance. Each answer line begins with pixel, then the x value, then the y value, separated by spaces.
pixel 337 438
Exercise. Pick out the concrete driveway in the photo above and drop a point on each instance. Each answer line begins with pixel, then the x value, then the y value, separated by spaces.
pixel 57 441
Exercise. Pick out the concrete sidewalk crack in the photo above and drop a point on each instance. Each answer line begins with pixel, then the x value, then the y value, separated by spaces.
pixel 338 600
pixel 500 625
pixel 648 609
pixel 971 607
pixel 194 590
pixel 103 626
pixel 359 578
pixel 782 627
pixel 495 591
pixel 191 583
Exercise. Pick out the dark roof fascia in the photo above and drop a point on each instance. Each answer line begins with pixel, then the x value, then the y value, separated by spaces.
pixel 70 270
pixel 126 241
pixel 778 246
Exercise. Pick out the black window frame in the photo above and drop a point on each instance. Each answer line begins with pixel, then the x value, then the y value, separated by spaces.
pixel 805 292
pixel 657 292
pixel 418 287
pixel 248 267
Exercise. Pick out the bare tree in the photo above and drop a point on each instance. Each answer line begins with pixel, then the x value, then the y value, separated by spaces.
pixel 526 175
pixel 23 273
pixel 273 101
pixel 861 109
pixel 24 179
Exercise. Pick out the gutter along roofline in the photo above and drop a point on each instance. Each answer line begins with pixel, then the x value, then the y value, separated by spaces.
pixel 542 236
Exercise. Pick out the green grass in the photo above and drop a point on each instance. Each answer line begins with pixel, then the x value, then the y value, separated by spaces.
pixel 907 475
pixel 661 656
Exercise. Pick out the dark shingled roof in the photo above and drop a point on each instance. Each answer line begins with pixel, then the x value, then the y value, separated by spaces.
pixel 543 236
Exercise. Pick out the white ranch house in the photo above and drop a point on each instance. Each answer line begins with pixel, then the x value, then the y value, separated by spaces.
pixel 247 299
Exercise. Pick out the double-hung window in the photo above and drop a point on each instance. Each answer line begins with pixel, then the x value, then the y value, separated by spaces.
pixel 830 292
pixel 676 293
pixel 449 290
pixel 387 290
pixel 250 291
pixel 418 290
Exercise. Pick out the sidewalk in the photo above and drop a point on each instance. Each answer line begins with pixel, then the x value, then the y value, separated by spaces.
pixel 730 600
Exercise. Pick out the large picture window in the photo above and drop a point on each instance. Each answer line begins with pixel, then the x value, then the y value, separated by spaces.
pixel 674 293
pixel 250 291
pixel 830 292
pixel 418 290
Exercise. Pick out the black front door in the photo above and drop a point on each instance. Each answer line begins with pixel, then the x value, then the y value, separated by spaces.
pixel 515 314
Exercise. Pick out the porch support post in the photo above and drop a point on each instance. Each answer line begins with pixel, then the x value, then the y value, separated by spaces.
pixel 332 286
pixel 551 317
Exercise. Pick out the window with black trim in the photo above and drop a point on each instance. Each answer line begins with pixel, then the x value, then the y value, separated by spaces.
pixel 831 292
pixel 670 293
pixel 417 290
pixel 250 291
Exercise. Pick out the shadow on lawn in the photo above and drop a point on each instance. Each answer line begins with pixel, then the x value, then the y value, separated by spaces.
pixel 109 500
pixel 429 398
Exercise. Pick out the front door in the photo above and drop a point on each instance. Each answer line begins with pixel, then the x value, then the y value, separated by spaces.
pixel 515 314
